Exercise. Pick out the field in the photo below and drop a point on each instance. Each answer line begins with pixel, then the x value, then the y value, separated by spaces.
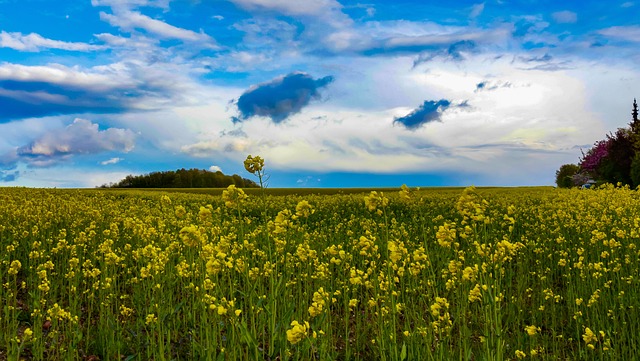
pixel 403 274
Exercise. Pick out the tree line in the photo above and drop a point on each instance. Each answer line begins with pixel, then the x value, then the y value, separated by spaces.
pixel 615 159
pixel 183 178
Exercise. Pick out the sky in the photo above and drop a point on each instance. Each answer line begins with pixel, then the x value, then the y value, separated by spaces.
pixel 331 93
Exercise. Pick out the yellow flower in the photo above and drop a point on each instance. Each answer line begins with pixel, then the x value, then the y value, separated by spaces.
pixel 532 330
pixel 475 294
pixel 15 267
pixel 375 200
pixel 191 236
pixel 319 301
pixel 221 310
pixel 589 337
pixel 520 354
pixel 446 235
pixel 125 311
pixel 151 318
pixel 254 165
pixel 469 273
pixel 297 332
pixel 405 193
pixel 27 334
pixel 304 209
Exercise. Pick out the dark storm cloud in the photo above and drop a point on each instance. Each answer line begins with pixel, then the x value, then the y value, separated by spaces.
pixel 281 97
pixel 487 85
pixel 429 111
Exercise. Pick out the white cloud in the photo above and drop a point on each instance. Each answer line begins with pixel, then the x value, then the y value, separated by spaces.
pixel 627 4
pixel 389 36
pixel 294 8
pixel 215 168
pixel 130 20
pixel 629 33
pixel 116 87
pixel 34 42
pixel 565 17
pixel 514 134
pixel 62 75
pixel 80 137
pixel 320 17
pixel 126 4
pixel 112 161
pixel 476 10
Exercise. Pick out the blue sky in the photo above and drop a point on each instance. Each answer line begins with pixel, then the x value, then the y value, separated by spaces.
pixel 331 93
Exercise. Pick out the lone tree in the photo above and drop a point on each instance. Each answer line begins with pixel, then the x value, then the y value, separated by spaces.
pixel 565 175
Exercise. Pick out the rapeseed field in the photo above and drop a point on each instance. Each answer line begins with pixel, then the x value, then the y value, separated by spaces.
pixel 473 274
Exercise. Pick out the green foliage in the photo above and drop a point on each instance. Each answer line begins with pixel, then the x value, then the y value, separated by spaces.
pixel 182 178
pixel 616 166
pixel 564 175
pixel 612 160
pixel 635 170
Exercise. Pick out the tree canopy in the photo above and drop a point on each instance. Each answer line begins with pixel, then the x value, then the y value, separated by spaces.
pixel 183 178
pixel 615 159
pixel 564 175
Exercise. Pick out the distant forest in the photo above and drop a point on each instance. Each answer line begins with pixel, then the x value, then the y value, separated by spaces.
pixel 183 178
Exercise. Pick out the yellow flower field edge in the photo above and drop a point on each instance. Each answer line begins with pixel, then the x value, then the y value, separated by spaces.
pixel 471 274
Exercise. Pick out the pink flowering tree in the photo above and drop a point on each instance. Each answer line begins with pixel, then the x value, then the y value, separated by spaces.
pixel 593 158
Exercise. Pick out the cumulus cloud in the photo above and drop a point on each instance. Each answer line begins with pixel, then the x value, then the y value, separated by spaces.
pixel 565 17
pixel 35 91
pixel 34 42
pixel 79 137
pixel 281 97
pixel 215 168
pixel 532 125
